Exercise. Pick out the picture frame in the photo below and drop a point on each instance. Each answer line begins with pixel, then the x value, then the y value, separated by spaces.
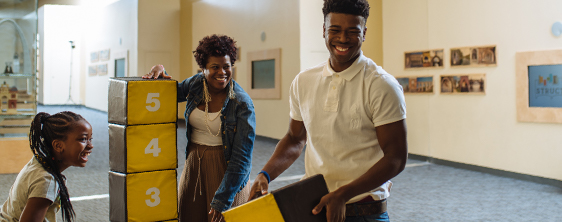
pixel 264 76
pixel 92 70
pixel 416 84
pixel 530 67
pixel 433 58
pixel 473 56
pixel 94 57
pixel 104 55
pixel 102 69
pixel 463 84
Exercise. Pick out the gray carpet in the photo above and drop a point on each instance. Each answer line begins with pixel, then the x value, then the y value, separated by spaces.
pixel 422 192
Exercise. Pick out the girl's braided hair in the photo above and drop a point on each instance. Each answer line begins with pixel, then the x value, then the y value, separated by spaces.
pixel 44 129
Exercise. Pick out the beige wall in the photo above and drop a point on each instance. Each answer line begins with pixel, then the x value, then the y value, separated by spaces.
pixel 159 35
pixel 372 47
pixel 475 129
pixel 244 20
pixel 186 56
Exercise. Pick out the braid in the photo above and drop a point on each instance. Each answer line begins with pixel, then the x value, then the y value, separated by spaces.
pixel 44 129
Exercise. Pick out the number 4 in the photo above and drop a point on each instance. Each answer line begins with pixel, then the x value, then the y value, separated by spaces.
pixel 153 98
pixel 153 148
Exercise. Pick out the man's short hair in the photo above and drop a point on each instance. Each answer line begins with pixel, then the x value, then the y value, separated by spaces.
pixel 352 7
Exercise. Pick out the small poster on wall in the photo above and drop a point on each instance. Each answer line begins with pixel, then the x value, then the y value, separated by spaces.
pixel 102 69
pixel 92 70
pixel 421 59
pixel 104 55
pixel 464 84
pixel 94 57
pixel 545 85
pixel 473 56
pixel 419 84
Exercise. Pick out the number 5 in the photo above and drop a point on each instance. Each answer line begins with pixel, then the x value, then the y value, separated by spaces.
pixel 154 197
pixel 153 98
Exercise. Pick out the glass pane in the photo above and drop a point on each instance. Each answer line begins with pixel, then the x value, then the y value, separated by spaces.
pixel 120 68
pixel 263 74
pixel 545 88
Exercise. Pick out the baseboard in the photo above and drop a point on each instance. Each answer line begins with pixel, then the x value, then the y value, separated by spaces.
pixel 502 173
pixel 73 105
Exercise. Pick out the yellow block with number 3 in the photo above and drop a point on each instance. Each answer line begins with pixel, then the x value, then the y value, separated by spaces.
pixel 152 196
pixel 151 147
pixel 151 102
pixel 262 209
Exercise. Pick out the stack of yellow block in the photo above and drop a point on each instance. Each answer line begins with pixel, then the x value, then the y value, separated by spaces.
pixel 142 150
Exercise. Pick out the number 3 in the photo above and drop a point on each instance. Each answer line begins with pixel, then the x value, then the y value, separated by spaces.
pixel 153 98
pixel 154 197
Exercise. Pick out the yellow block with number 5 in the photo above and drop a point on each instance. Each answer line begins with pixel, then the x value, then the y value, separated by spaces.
pixel 135 101
pixel 140 148
pixel 147 196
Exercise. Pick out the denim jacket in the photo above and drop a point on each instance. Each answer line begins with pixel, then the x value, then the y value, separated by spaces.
pixel 238 123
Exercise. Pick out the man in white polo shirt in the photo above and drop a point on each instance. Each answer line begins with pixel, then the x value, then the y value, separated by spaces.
pixel 352 114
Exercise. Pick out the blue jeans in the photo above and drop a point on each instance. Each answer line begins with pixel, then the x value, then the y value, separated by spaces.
pixel 369 218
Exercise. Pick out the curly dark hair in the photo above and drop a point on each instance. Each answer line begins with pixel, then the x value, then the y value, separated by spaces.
pixel 353 7
pixel 215 45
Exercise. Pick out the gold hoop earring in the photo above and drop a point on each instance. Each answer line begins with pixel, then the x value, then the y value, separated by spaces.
pixel 231 93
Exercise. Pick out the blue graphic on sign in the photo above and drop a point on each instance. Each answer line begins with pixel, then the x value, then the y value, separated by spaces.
pixel 545 88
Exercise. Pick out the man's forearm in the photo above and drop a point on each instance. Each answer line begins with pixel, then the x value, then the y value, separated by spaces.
pixel 286 152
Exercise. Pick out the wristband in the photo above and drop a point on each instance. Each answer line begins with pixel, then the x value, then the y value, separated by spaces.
pixel 266 176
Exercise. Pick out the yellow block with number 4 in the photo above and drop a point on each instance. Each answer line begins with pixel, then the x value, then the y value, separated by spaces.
pixel 135 101
pixel 141 148
pixel 147 196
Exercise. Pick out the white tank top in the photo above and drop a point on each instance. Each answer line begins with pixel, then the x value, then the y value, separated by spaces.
pixel 199 132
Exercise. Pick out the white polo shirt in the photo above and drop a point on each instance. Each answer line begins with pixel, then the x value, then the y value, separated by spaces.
pixel 340 111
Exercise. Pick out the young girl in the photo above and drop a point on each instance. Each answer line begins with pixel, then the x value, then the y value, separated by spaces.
pixel 57 142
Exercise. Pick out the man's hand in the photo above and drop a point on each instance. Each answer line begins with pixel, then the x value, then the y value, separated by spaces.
pixel 259 187
pixel 216 216
pixel 335 207
pixel 156 72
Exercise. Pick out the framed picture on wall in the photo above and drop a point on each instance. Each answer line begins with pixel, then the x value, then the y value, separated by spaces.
pixel 463 84
pixel 473 56
pixel 424 59
pixel 539 86
pixel 104 55
pixel 102 69
pixel 94 57
pixel 264 77
pixel 92 70
pixel 416 84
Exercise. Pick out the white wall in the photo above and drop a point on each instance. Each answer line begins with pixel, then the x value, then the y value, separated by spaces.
pixel 475 129
pixel 244 21
pixel 56 30
pixel 111 27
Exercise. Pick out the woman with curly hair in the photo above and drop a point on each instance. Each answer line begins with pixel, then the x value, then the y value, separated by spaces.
pixel 220 122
